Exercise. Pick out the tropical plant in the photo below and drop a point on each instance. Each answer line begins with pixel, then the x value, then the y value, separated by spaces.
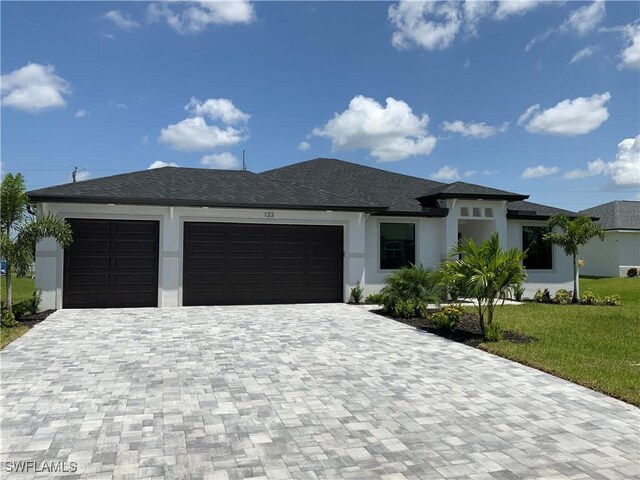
pixel 356 293
pixel 590 298
pixel 542 296
pixel 563 296
pixel 447 319
pixel 20 229
pixel 488 274
pixel 518 292
pixel 414 284
pixel 573 234
pixel 612 300
pixel 493 333
pixel 374 299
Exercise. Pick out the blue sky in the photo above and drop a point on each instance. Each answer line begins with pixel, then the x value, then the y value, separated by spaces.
pixel 535 97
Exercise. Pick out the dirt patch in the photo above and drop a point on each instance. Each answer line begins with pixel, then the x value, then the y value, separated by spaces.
pixel 32 320
pixel 468 330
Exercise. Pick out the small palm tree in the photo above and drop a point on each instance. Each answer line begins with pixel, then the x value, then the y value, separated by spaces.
pixel 20 231
pixel 485 272
pixel 574 233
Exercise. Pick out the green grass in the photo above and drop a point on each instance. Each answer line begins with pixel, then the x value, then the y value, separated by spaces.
pixel 598 347
pixel 22 289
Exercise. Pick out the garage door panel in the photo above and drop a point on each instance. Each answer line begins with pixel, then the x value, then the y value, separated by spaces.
pixel 262 263
pixel 111 263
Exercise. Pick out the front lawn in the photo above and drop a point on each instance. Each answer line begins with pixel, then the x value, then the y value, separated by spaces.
pixel 598 347
pixel 22 289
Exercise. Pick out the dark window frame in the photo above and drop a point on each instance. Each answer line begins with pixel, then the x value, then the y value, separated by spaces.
pixel 541 257
pixel 404 254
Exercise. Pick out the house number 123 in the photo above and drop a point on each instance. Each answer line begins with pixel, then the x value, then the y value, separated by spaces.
pixel 268 214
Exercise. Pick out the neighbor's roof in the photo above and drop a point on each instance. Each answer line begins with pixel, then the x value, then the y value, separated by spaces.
pixel 319 184
pixel 617 215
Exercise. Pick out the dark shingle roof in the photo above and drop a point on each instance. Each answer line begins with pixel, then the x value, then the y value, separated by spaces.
pixel 196 187
pixel 323 183
pixel 368 184
pixel 617 215
pixel 469 190
pixel 530 210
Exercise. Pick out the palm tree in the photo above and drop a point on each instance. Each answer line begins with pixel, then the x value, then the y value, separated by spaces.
pixel 20 231
pixel 485 272
pixel 574 233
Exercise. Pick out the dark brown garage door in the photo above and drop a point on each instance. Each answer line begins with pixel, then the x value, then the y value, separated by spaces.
pixel 111 263
pixel 235 264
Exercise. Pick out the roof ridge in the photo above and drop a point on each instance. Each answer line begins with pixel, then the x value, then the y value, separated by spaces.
pixel 357 165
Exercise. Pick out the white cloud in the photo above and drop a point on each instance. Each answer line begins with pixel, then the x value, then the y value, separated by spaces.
pixel 569 117
pixel 474 11
pixel 121 20
pixel 427 24
pixel 195 134
pixel 121 106
pixel 194 17
pixel 217 109
pixel 34 88
pixel 145 139
pixel 161 164
pixel 624 170
pixel 582 54
pixel 81 114
pixel 467 63
pixel 222 161
pixel 586 18
pixel 469 173
pixel 392 132
pixel 490 172
pixel 539 171
pixel 581 20
pixel 446 173
pixel 304 146
pixel 475 130
pixel 597 167
pixel 508 8
pixel 630 55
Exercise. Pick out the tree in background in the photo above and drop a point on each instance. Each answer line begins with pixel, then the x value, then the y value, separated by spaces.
pixel 20 230
pixel 573 234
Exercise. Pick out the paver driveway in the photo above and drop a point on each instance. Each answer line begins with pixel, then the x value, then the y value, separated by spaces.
pixel 306 391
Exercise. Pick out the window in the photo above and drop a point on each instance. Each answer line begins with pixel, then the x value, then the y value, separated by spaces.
pixel 538 251
pixel 397 245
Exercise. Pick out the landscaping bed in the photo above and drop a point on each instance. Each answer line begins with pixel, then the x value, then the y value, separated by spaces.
pixel 467 331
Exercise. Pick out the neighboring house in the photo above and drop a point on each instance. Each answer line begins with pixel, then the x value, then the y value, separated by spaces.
pixel 303 233
pixel 620 249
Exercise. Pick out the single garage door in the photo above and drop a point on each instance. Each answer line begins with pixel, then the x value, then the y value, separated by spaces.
pixel 235 264
pixel 111 263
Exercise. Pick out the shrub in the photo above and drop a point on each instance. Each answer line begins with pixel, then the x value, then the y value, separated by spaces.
pixel 7 319
pixel 563 297
pixel 518 292
pixel 542 296
pixel 447 319
pixel 356 293
pixel 34 301
pixel 404 308
pixel 632 272
pixel 590 298
pixel 493 333
pixel 374 299
pixel 413 284
pixel 612 300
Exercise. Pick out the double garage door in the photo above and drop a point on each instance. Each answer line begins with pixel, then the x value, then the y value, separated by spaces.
pixel 114 263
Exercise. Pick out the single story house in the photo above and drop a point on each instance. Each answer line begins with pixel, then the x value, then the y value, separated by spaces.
pixel 307 232
pixel 620 249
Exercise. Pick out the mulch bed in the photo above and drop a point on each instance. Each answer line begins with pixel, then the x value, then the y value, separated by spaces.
pixel 32 320
pixel 467 332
